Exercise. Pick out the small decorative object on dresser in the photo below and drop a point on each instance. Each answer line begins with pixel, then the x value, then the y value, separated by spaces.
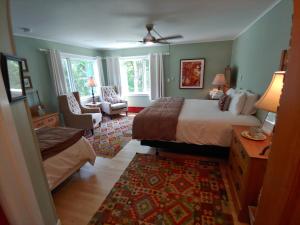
pixel 47 120
pixel 246 170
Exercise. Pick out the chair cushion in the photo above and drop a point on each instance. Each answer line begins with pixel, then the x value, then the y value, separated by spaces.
pixel 120 105
pixel 96 117
pixel 73 104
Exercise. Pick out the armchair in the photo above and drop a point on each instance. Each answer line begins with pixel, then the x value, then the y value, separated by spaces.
pixel 77 116
pixel 111 103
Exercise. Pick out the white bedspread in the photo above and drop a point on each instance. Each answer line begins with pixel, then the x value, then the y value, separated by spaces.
pixel 62 165
pixel 201 122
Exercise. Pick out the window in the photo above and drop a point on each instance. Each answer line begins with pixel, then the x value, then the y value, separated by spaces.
pixel 135 75
pixel 77 70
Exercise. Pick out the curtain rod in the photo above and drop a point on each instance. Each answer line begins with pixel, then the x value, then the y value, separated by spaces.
pixel 44 50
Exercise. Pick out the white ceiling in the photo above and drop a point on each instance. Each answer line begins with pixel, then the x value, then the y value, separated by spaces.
pixel 106 23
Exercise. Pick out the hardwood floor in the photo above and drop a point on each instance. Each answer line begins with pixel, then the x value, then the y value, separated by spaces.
pixel 79 198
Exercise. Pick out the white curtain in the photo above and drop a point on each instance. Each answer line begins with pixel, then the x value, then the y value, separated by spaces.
pixel 100 71
pixel 113 73
pixel 57 73
pixel 156 76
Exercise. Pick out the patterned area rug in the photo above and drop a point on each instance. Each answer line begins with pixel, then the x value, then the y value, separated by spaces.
pixel 157 190
pixel 112 136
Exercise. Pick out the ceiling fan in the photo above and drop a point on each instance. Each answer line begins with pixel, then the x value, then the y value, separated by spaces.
pixel 150 39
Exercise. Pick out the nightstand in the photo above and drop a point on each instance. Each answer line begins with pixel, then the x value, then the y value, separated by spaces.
pixel 246 170
pixel 93 105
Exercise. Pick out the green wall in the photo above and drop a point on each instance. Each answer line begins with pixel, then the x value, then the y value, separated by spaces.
pixel 217 56
pixel 38 65
pixel 256 53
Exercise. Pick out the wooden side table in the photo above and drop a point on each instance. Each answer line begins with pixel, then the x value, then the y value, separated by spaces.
pixel 246 170
pixel 47 120
pixel 93 105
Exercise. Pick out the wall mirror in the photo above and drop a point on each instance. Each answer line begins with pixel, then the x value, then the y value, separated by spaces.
pixel 12 73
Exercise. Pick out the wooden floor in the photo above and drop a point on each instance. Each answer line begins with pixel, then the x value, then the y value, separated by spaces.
pixel 79 198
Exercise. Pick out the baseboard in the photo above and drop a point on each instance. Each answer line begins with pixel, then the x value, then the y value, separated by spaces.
pixel 135 109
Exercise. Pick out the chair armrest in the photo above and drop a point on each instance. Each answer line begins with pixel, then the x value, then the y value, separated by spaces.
pixel 90 110
pixel 83 121
pixel 106 107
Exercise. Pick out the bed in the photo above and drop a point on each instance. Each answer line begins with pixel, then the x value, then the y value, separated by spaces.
pixel 64 151
pixel 198 122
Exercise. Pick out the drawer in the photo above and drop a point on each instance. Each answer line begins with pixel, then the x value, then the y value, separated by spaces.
pixel 241 155
pixel 38 124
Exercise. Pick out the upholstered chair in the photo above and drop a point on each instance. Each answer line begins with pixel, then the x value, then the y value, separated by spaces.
pixel 111 103
pixel 77 116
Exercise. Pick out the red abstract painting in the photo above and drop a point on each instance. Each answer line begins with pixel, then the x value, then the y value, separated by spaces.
pixel 191 73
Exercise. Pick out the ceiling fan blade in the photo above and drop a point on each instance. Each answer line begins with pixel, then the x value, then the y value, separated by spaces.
pixel 170 37
pixel 127 41
pixel 162 42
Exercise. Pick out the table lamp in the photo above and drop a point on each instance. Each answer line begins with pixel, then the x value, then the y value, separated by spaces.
pixel 269 101
pixel 92 83
pixel 219 81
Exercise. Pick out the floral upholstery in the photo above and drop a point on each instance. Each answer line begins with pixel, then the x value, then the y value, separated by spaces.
pixel 73 104
pixel 109 95
pixel 111 102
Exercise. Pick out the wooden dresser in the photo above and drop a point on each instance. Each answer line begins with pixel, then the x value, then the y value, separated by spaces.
pixel 48 120
pixel 246 171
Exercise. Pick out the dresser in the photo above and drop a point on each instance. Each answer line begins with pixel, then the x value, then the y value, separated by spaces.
pixel 48 120
pixel 246 171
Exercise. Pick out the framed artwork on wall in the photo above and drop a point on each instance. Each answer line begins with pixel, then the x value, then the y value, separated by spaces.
pixel 191 73
pixel 24 65
pixel 27 82
pixel 12 73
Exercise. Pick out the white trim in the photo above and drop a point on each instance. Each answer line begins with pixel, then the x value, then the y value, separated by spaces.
pixel 77 56
pixel 58 42
pixel 258 18
pixel 137 95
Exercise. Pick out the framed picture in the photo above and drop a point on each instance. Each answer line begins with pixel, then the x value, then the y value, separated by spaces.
pixel 12 73
pixel 269 123
pixel 191 73
pixel 24 65
pixel 27 82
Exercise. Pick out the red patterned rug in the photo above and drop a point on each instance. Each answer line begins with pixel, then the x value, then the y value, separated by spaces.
pixel 157 190
pixel 112 136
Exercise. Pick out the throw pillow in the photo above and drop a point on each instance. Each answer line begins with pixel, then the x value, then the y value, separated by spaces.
pixel 224 102
pixel 249 107
pixel 237 103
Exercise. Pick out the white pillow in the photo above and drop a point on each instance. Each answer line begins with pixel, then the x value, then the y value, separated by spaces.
pixel 230 92
pixel 249 107
pixel 237 103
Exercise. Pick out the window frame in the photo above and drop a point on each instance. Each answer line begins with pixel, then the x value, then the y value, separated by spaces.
pixel 135 58
pixel 93 59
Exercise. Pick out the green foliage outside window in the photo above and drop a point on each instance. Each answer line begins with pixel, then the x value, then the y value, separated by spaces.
pixel 76 73
pixel 138 74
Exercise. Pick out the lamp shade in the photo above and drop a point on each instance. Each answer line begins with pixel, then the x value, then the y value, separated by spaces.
pixel 269 101
pixel 91 82
pixel 219 80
